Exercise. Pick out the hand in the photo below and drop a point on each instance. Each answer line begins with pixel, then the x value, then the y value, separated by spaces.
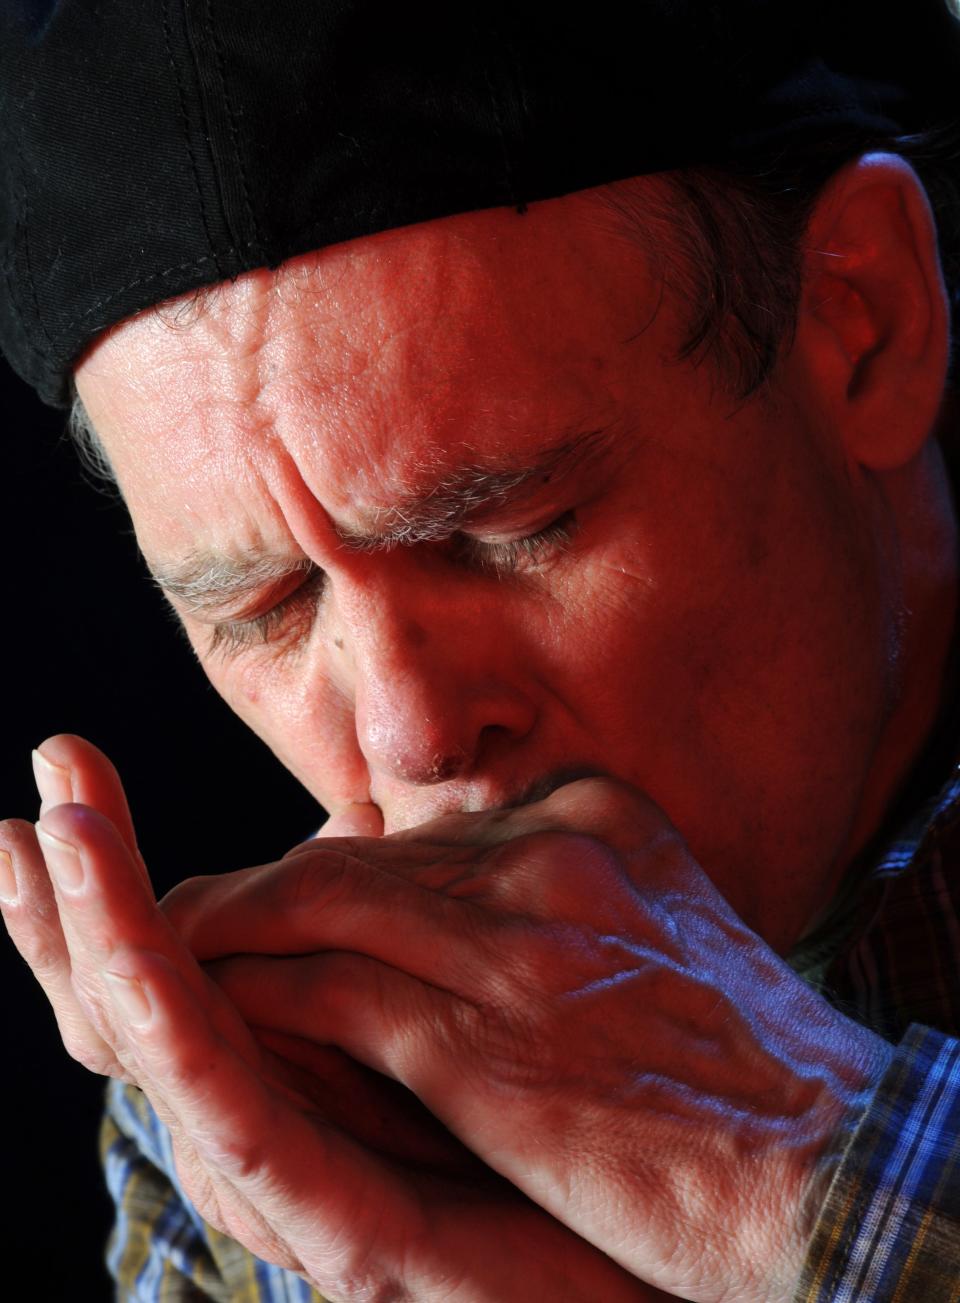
pixel 562 985
pixel 252 1152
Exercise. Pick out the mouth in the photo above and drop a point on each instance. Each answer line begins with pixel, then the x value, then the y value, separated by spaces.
pixel 547 784
pixel 476 801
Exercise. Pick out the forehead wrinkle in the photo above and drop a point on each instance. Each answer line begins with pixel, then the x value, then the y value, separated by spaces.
pixel 465 493
pixel 436 514
pixel 208 579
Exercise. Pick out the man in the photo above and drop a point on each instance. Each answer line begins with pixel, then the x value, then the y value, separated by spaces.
pixel 611 651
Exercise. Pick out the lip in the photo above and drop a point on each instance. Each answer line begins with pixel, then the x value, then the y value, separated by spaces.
pixel 477 798
pixel 546 785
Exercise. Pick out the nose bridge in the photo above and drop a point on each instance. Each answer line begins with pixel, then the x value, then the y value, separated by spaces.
pixel 427 679
pixel 390 619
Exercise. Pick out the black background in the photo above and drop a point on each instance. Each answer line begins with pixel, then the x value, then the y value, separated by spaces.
pixel 88 648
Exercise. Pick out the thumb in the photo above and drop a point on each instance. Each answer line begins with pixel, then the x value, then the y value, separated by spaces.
pixel 355 820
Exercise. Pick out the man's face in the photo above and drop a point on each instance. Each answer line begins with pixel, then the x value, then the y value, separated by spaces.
pixel 536 544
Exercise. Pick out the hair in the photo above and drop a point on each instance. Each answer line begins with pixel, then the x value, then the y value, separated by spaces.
pixel 728 242
pixel 93 457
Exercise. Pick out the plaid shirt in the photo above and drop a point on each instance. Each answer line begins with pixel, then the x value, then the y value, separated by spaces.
pixel 890 1226
pixel 889 1230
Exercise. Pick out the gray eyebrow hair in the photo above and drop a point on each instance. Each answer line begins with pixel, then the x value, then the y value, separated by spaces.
pixel 208 580
pixel 203 580
pixel 465 494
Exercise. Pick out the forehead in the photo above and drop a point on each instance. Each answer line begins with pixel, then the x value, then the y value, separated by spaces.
pixel 373 370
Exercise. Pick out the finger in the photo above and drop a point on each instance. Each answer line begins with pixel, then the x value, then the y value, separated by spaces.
pixel 355 820
pixel 360 1005
pixel 103 903
pixel 418 1036
pixel 207 907
pixel 69 769
pixel 321 1194
pixel 403 858
pixel 610 812
pixel 447 922
pixel 91 921
pixel 605 808
pixel 327 899
pixel 372 1108
pixel 33 923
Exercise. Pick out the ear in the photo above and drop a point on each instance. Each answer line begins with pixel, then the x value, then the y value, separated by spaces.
pixel 873 327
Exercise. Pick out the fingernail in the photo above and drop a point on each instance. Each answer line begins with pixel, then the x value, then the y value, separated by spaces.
pixel 130 999
pixel 53 782
pixel 62 859
pixel 8 879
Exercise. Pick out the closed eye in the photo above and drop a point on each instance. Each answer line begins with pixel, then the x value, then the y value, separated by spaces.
pixel 298 609
pixel 517 554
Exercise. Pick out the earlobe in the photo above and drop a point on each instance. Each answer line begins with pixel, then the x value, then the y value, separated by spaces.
pixel 873 322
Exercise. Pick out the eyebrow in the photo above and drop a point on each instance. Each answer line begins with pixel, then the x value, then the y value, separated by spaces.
pixel 213 580
pixel 206 581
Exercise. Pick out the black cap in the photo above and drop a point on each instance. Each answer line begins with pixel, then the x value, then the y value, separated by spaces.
pixel 152 146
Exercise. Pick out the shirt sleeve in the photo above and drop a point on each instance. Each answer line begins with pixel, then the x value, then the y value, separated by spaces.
pixel 889 1231
pixel 160 1249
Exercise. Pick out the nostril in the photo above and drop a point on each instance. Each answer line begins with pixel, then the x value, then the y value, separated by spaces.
pixel 444 767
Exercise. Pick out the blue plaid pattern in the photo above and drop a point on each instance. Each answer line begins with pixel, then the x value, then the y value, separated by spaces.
pixel 890 1228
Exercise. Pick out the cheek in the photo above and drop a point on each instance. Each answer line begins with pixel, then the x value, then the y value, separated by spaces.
pixel 303 718
pixel 714 633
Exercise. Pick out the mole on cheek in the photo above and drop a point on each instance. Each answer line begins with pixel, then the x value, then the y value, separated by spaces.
pixel 338 643
pixel 416 634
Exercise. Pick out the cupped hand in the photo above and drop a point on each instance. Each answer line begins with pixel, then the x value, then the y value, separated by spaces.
pixel 66 769
pixel 256 1152
pixel 562 985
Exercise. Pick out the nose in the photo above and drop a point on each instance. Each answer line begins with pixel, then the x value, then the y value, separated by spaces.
pixel 436 684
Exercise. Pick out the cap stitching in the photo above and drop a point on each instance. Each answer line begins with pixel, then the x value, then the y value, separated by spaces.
pixel 41 357
pixel 22 221
pixel 7 135
pixel 234 121
pixel 185 124
pixel 19 241
pixel 146 280
pixel 228 251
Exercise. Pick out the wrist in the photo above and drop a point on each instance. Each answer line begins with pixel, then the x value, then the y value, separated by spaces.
pixel 849 1087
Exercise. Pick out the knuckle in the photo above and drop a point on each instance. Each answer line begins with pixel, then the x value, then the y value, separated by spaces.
pixel 185 1072
pixel 44 953
pixel 244 1155
pixel 94 1059
pixel 510 1059
pixel 85 1046
pixel 368 1285
pixel 608 805
pixel 184 895
pixel 185 905
pixel 314 882
pixel 308 844
pixel 87 997
pixel 523 968
pixel 546 872
pixel 14 833
pixel 242 1158
pixel 195 1179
